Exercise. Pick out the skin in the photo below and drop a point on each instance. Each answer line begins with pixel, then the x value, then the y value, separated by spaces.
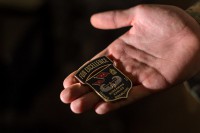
pixel 160 50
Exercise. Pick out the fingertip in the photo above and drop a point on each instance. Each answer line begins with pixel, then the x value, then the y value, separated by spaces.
pixel 64 97
pixel 103 108
pixel 94 20
pixel 72 92
pixel 85 103
pixel 103 20
pixel 65 84
pixel 76 107
pixel 70 80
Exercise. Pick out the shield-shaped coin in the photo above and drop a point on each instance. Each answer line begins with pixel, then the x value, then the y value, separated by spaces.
pixel 105 79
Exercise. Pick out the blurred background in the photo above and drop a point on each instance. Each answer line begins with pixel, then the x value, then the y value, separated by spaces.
pixel 42 41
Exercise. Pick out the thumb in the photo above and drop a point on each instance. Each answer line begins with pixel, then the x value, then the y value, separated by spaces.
pixel 112 19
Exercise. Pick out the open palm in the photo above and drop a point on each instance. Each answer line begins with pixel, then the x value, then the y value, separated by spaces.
pixel 160 50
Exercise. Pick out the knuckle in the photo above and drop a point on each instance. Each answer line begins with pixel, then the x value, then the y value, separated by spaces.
pixel 141 6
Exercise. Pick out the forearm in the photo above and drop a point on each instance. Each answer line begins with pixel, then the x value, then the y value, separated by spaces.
pixel 193 83
pixel 194 11
pixel 195 7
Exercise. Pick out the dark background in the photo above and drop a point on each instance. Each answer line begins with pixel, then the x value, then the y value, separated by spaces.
pixel 41 42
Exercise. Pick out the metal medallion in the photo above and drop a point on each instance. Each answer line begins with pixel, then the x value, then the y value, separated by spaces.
pixel 105 79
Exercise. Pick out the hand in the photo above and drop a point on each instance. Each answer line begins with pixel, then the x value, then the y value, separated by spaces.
pixel 160 50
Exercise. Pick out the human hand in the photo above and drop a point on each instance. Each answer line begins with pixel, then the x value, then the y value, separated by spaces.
pixel 160 50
